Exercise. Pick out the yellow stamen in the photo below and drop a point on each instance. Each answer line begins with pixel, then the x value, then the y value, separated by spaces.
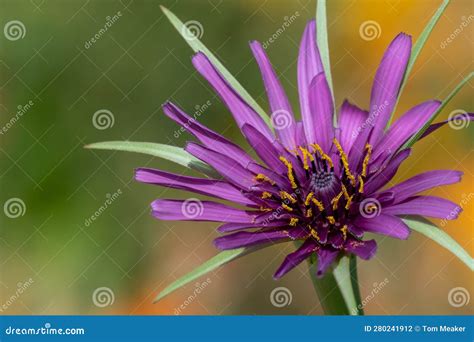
pixel 266 194
pixel 284 206
pixel 262 178
pixel 306 156
pixel 331 219
pixel 265 209
pixel 309 212
pixel 335 201
pixel 293 221
pixel 349 201
pixel 361 185
pixel 344 191
pixel 323 155
pixel 318 204
pixel 344 231
pixel 284 195
pixel 344 160
pixel 308 199
pixel 314 234
pixel 291 177
pixel 365 163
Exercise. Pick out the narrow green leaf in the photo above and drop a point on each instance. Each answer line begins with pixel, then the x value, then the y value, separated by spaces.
pixel 343 275
pixel 210 265
pixel 323 46
pixel 168 152
pixel 415 52
pixel 425 227
pixel 417 136
pixel 197 46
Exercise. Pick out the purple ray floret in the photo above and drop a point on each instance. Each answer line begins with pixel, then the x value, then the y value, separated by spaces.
pixel 322 186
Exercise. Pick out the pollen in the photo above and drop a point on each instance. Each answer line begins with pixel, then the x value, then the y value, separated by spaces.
pixel 306 156
pixel 344 161
pixel 287 208
pixel 331 219
pixel 289 166
pixel 262 178
pixel 344 231
pixel 323 155
pixel 284 195
pixel 266 194
pixel 361 185
pixel 365 163
pixel 335 200
pixel 314 234
pixel 318 204
pixel 293 221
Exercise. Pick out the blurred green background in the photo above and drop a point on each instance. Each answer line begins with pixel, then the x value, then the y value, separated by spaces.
pixel 137 64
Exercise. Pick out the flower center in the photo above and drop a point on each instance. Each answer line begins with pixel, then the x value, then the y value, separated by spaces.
pixel 322 180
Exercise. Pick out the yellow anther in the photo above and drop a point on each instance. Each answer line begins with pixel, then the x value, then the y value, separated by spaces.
pixel 349 201
pixel 331 219
pixel 266 194
pixel 335 201
pixel 344 191
pixel 314 234
pixel 344 161
pixel 361 184
pixel 344 231
pixel 323 155
pixel 265 209
pixel 284 195
pixel 284 206
pixel 262 178
pixel 308 199
pixel 365 163
pixel 318 204
pixel 289 166
pixel 309 212
pixel 306 156
pixel 293 221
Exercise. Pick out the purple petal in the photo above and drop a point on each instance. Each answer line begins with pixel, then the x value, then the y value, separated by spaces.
pixel 232 227
pixel 309 65
pixel 386 174
pixel 211 139
pixel 385 225
pixel 195 210
pixel 241 111
pixel 424 181
pixel 282 114
pixel 246 239
pixel 410 123
pixel 363 249
pixel 300 137
pixel 227 167
pixel 387 81
pixel 322 109
pixel 460 120
pixel 426 206
pixel 294 259
pixel 326 256
pixel 351 121
pixel 209 187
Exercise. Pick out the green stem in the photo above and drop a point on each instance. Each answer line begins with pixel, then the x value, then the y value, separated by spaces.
pixel 338 291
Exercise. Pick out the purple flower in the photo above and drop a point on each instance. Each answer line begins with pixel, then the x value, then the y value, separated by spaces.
pixel 324 186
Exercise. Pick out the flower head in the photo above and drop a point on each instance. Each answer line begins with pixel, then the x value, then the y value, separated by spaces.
pixel 322 185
